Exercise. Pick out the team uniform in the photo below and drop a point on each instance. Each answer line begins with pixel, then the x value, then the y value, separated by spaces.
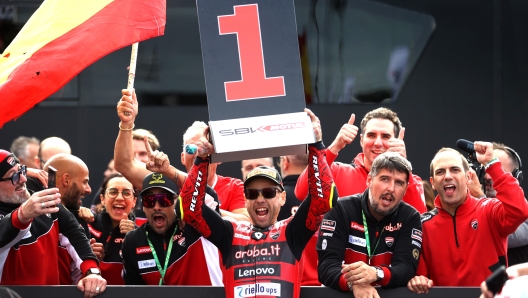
pixel 260 262
pixel 69 274
pixel 464 249
pixel 395 242
pixel 351 179
pixel 31 250
pixel 193 260
pixel 101 230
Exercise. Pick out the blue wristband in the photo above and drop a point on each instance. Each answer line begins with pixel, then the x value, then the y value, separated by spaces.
pixel 190 149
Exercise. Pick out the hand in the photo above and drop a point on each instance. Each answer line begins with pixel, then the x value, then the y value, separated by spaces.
pixel 41 175
pixel 127 108
pixel 39 203
pixel 86 214
pixel 98 249
pixel 484 152
pixel 204 147
pixel 158 161
pixel 126 225
pixel 92 285
pixel 485 292
pixel 475 188
pixel 397 144
pixel 359 273
pixel 210 202
pixel 364 291
pixel 316 124
pixel 420 284
pixel 346 135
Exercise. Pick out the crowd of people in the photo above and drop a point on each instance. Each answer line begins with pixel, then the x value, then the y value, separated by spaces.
pixel 304 220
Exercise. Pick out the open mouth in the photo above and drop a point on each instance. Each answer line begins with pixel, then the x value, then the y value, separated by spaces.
pixel 159 220
pixel 449 189
pixel 118 209
pixel 387 199
pixel 261 212
pixel 20 187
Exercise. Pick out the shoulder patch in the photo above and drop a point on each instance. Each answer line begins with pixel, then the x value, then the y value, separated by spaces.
pixel 428 215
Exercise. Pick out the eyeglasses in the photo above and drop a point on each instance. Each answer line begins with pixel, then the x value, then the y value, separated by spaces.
pixel 267 193
pixel 16 176
pixel 112 193
pixel 165 200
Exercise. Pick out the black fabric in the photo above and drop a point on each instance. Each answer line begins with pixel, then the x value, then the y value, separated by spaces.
pixel 292 203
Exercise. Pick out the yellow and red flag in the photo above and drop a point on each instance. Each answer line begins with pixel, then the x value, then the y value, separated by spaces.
pixel 65 36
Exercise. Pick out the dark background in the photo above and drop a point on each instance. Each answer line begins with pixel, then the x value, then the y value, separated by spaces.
pixel 470 82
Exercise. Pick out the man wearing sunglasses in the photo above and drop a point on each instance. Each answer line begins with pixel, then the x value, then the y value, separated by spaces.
pixel 29 234
pixel 164 251
pixel 262 258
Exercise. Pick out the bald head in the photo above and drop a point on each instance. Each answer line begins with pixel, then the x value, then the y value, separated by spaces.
pixel 51 146
pixel 72 178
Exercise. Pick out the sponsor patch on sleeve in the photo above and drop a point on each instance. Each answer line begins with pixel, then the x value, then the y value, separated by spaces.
pixel 416 243
pixel 416 234
pixel 328 225
pixel 143 250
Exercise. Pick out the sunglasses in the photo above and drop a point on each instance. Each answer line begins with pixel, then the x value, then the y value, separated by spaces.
pixel 112 193
pixel 16 176
pixel 267 193
pixel 165 200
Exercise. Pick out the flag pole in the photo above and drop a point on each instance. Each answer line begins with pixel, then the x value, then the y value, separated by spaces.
pixel 132 69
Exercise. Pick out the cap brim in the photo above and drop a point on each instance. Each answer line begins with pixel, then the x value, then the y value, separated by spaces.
pixel 157 186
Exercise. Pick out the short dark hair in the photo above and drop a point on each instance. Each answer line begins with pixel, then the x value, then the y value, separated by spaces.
pixel 499 146
pixel 465 163
pixel 391 161
pixel 382 113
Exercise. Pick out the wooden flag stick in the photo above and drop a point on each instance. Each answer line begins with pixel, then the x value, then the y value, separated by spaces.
pixel 132 69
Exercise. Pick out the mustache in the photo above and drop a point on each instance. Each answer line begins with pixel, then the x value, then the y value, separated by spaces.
pixel 159 213
pixel 388 194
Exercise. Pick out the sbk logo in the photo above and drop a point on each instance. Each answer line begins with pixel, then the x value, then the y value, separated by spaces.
pixel 265 128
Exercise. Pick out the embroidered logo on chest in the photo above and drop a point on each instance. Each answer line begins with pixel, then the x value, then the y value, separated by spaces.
pixel 474 224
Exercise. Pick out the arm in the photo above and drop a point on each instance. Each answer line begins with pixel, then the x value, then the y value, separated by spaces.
pixel 519 237
pixel 124 160
pixel 414 195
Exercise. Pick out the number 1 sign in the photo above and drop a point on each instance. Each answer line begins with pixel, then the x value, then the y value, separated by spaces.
pixel 253 78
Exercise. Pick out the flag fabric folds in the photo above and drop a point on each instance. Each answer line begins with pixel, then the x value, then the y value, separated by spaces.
pixel 65 36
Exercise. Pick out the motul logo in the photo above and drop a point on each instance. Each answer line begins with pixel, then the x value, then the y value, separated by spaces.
pixel 143 250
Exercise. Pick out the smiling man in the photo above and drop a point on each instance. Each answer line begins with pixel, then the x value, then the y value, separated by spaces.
pixel 464 238
pixel 376 235
pixel 261 259
pixel 145 249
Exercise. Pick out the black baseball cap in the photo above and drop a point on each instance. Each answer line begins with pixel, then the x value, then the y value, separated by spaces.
pixel 159 180
pixel 266 172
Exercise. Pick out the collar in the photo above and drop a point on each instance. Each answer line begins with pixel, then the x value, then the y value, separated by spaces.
pixel 465 207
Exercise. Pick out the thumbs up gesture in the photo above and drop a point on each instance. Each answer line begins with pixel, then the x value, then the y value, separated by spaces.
pixel 126 225
pixel 97 248
pixel 346 135
pixel 397 144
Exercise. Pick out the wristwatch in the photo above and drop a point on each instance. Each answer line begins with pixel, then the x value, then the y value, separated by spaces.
pixel 93 271
pixel 379 274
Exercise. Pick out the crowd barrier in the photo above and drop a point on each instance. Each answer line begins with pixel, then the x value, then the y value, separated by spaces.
pixel 208 292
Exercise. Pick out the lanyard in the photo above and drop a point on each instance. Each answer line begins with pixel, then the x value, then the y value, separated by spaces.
pixel 162 270
pixel 367 238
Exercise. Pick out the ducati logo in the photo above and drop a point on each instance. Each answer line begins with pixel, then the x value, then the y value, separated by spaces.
pixel 474 224
pixel 258 236
pixel 275 234
pixel 389 241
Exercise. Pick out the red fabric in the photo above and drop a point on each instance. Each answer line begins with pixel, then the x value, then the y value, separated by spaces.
pixel 459 251
pixel 351 180
pixel 230 193
pixel 117 25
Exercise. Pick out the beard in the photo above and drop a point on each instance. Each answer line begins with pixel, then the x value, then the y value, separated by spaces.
pixel 379 210
pixel 14 198
pixel 72 197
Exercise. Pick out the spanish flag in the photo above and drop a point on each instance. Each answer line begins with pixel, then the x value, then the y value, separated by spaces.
pixel 65 36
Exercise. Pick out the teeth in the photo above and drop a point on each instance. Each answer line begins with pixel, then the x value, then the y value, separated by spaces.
pixel 261 209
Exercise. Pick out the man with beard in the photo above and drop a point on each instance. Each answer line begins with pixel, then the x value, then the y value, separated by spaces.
pixel 29 234
pixel 464 238
pixel 376 235
pixel 72 182
pixel 261 258
pixel 164 251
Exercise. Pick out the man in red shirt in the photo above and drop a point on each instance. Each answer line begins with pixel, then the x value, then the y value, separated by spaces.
pixel 464 238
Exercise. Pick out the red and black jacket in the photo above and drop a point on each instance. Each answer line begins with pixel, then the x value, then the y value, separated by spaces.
pixel 260 262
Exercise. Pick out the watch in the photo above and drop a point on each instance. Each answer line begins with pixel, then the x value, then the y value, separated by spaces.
pixel 379 274
pixel 93 271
